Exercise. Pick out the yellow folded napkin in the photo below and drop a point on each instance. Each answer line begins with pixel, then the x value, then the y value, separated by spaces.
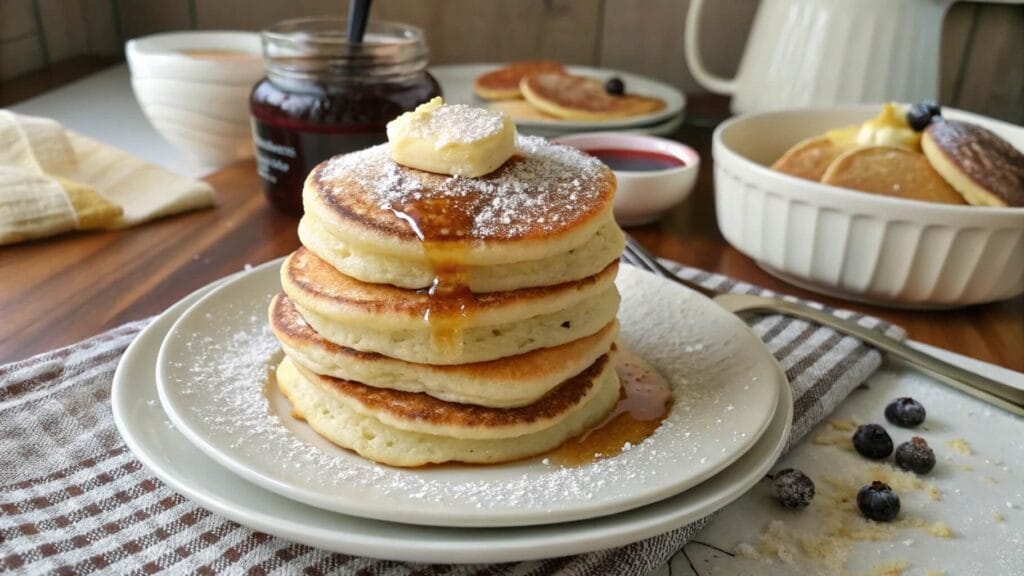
pixel 54 181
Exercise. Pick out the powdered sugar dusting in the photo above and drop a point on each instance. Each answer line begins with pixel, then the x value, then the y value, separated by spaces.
pixel 545 189
pixel 457 123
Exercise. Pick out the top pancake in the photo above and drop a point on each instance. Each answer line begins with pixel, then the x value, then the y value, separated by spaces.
pixel 546 200
pixel 983 167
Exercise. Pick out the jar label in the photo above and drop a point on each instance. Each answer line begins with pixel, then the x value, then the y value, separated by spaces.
pixel 285 155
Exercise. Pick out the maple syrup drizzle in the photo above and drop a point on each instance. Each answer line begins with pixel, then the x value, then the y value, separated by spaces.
pixel 644 401
pixel 444 228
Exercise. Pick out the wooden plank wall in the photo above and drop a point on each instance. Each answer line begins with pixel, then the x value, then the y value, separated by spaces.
pixel 982 55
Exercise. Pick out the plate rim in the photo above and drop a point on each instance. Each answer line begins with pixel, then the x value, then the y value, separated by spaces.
pixel 571 538
pixel 645 120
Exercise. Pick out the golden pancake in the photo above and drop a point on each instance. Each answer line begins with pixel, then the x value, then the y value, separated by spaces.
pixel 809 158
pixel 450 343
pixel 343 415
pixel 520 110
pixel 890 171
pixel 980 165
pixel 581 98
pixel 604 247
pixel 503 383
pixel 503 83
pixel 315 285
pixel 425 414
pixel 546 200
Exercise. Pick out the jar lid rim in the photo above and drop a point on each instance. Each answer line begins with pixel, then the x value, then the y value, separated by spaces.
pixel 287 30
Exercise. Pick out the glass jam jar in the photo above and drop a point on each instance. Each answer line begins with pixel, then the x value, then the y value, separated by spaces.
pixel 324 95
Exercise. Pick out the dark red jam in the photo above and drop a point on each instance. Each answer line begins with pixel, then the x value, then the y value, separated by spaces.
pixel 324 96
pixel 636 160
pixel 295 131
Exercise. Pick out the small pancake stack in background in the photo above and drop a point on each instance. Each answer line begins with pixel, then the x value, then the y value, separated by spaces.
pixel 914 154
pixel 432 318
pixel 544 89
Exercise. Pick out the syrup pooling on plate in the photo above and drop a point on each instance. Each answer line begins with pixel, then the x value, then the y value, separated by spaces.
pixel 644 401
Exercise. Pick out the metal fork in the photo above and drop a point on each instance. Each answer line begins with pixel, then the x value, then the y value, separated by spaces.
pixel 991 391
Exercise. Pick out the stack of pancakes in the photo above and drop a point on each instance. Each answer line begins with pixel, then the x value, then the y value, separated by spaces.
pixel 430 318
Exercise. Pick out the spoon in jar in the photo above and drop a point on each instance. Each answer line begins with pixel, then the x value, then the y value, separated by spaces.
pixel 358 14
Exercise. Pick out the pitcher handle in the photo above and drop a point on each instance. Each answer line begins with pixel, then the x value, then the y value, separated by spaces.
pixel 706 79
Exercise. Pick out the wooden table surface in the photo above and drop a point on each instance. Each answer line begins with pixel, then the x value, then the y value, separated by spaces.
pixel 59 291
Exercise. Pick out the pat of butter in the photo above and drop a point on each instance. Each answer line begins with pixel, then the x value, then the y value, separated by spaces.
pixel 452 139
pixel 889 128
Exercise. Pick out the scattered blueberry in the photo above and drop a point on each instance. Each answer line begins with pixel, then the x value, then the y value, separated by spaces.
pixel 615 86
pixel 873 441
pixel 878 502
pixel 793 488
pixel 915 456
pixel 905 412
pixel 921 114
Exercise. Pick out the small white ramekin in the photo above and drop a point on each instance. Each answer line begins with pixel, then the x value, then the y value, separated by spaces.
pixel 641 197
pixel 856 245
pixel 201 105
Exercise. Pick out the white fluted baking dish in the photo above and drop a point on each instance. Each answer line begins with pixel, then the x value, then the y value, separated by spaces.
pixel 856 245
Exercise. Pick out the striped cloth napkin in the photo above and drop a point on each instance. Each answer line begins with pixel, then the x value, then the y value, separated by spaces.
pixel 74 500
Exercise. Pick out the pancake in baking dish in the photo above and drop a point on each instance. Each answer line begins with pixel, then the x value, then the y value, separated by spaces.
pixel 809 158
pixel 543 202
pixel 404 429
pixel 985 169
pixel 502 383
pixel 503 83
pixel 890 171
pixel 391 321
pixel 581 98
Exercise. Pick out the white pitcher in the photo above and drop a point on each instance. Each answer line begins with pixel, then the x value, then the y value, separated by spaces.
pixel 825 52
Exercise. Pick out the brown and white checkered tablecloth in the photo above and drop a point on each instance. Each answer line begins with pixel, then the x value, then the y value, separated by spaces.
pixel 74 500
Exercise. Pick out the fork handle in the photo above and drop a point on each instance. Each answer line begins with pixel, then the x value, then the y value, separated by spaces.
pixel 992 391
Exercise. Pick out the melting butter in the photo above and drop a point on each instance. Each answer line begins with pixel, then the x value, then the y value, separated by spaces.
pixel 452 139
pixel 889 128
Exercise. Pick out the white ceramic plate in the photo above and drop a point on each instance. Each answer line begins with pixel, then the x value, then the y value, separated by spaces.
pixel 457 86
pixel 215 360
pixel 168 454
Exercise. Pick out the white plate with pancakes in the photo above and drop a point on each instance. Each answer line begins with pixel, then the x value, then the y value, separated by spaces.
pixel 175 460
pixel 457 87
pixel 213 377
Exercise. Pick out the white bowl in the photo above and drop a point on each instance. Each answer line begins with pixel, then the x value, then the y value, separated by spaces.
pixel 642 197
pixel 856 245
pixel 201 105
